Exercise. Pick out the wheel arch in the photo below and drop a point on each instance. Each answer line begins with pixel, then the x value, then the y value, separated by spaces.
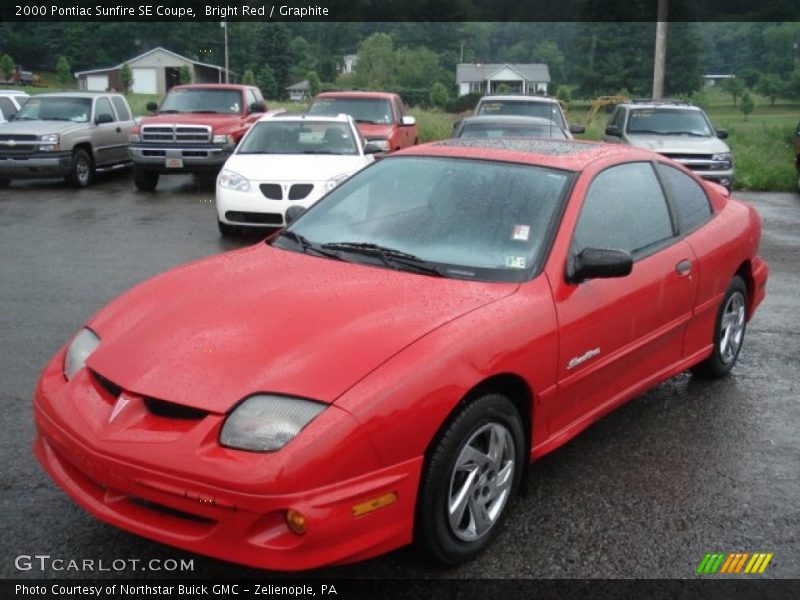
pixel 745 271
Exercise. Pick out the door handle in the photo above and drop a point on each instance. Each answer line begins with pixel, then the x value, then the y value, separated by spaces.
pixel 119 130
pixel 684 267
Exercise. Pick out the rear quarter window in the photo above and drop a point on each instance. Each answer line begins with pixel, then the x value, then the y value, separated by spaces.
pixel 688 197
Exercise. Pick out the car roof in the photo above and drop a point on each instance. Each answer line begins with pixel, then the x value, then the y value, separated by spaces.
pixel 356 94
pixel 215 86
pixel 13 93
pixel 288 116
pixel 521 97
pixel 517 119
pixel 656 105
pixel 571 155
pixel 89 95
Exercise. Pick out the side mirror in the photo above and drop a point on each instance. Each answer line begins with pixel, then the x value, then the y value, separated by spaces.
pixel 104 118
pixel 597 263
pixel 614 130
pixel 456 124
pixel 228 148
pixel 576 128
pixel 408 120
pixel 722 133
pixel 258 107
pixel 151 107
pixel 293 213
pixel 374 147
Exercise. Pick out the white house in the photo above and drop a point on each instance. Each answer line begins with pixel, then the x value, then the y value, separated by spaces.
pixel 299 91
pixel 517 78
pixel 154 72
pixel 714 80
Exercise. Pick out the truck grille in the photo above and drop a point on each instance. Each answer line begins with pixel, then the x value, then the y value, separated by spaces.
pixel 695 162
pixel 18 145
pixel 176 133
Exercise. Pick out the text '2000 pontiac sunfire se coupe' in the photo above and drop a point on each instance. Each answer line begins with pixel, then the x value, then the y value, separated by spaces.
pixel 382 370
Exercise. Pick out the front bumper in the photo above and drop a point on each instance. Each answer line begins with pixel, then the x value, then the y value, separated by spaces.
pixel 191 158
pixel 238 525
pixel 50 164
pixel 253 209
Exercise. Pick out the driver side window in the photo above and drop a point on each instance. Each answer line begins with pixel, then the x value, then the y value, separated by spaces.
pixel 624 209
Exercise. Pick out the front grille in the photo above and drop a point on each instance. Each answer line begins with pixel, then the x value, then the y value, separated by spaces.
pixel 17 138
pixel 176 133
pixel 110 387
pixel 255 218
pixel 300 190
pixel 170 410
pixel 167 510
pixel 696 162
pixel 272 191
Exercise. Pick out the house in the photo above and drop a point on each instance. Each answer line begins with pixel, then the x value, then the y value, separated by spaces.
pixel 349 63
pixel 299 91
pixel 154 72
pixel 714 80
pixel 515 78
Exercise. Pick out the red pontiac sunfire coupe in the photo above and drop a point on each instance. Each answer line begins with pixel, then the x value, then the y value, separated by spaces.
pixel 382 370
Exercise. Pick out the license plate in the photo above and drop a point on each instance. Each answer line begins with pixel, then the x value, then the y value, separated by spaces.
pixel 174 163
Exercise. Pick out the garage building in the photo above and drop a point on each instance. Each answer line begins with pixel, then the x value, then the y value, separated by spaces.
pixel 154 72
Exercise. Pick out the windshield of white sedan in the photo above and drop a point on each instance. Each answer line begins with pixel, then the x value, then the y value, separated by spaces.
pixel 545 110
pixel 299 137
pixel 78 110
pixel 668 122
pixel 363 110
pixel 471 219
pixel 201 100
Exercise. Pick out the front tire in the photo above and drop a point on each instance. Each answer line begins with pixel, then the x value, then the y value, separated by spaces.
pixel 144 180
pixel 473 472
pixel 81 171
pixel 728 332
pixel 226 230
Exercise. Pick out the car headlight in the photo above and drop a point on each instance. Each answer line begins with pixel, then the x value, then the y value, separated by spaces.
pixel 134 138
pixel 233 181
pixel 79 350
pixel 222 139
pixel 49 142
pixel 382 144
pixel 334 181
pixel 723 157
pixel 266 423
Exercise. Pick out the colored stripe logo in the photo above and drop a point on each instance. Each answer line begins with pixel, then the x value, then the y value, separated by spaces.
pixel 731 563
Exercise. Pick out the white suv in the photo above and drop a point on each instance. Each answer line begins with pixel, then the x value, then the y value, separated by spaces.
pixel 678 130
pixel 10 102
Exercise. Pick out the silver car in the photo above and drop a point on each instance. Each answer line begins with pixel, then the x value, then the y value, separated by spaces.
pixel 678 130
pixel 70 135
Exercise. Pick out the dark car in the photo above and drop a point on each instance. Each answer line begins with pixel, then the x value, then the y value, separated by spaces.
pixel 508 126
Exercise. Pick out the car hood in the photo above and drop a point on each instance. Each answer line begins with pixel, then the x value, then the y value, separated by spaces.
pixel 294 167
pixel 40 127
pixel 262 319
pixel 679 144
pixel 375 131
pixel 214 120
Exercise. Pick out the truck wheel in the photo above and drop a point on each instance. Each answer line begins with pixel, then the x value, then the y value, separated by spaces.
pixel 145 181
pixel 81 171
pixel 4 183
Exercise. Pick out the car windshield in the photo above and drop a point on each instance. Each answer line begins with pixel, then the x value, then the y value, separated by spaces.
pixel 522 108
pixel 204 100
pixel 458 218
pixel 665 121
pixel 299 137
pixel 364 110
pixel 493 130
pixel 56 108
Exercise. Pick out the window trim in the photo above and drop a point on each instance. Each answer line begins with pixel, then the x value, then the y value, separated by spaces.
pixel 97 109
pixel 673 205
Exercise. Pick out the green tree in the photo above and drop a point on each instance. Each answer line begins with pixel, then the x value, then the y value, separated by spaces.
pixel 63 71
pixel 267 83
pixel 7 66
pixel 439 95
pixel 563 94
pixel 733 86
pixel 184 75
pixel 126 77
pixel 313 83
pixel 248 77
pixel 772 87
pixel 375 63
pixel 746 104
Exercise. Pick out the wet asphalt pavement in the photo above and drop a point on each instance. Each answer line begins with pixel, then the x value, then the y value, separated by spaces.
pixel 687 468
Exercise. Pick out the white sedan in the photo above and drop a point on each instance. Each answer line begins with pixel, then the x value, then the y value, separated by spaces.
pixel 287 161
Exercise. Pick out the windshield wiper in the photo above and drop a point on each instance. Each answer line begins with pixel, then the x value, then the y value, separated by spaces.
pixel 692 133
pixel 206 112
pixel 388 256
pixel 370 122
pixel 319 152
pixel 306 245
pixel 168 110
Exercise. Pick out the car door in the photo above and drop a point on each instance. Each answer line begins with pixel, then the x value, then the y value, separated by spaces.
pixel 105 137
pixel 405 132
pixel 617 119
pixel 124 125
pixel 617 334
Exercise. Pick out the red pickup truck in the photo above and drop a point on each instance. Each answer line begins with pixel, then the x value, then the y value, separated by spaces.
pixel 193 131
pixel 381 117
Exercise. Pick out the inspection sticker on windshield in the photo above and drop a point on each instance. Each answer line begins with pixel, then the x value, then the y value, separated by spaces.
pixel 515 262
pixel 521 232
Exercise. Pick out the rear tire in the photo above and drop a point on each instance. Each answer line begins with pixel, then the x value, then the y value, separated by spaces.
pixel 144 180
pixel 728 332
pixel 471 476
pixel 81 170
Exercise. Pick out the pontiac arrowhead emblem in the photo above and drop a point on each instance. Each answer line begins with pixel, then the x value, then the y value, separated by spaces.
pixel 122 402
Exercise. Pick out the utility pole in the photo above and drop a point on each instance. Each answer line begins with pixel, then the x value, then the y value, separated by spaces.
pixel 224 26
pixel 661 50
